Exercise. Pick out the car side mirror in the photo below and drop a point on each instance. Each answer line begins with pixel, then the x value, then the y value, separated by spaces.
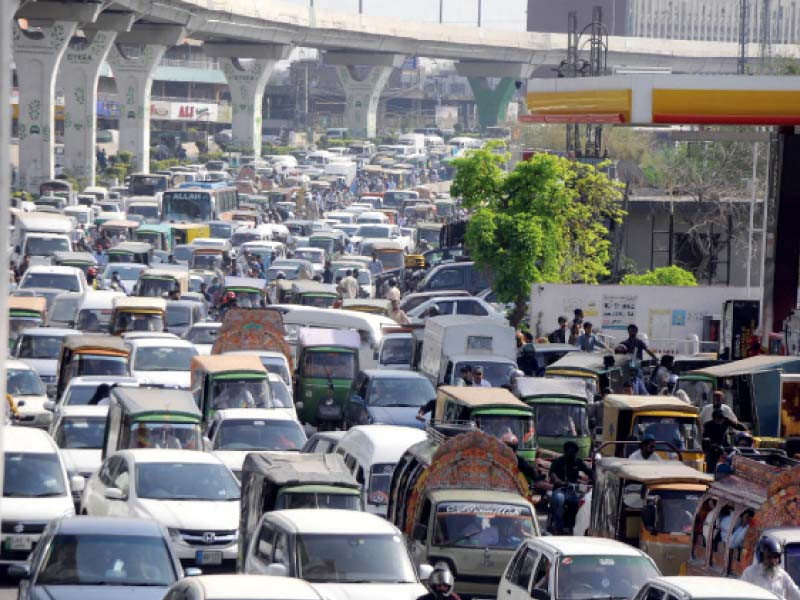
pixel 540 595
pixel 277 570
pixel 49 405
pixel 19 571
pixel 77 483
pixel 650 516
pixel 113 493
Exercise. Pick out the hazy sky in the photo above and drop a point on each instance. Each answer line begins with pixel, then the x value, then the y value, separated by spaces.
pixel 496 14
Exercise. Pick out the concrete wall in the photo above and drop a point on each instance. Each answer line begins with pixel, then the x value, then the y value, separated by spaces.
pixel 551 17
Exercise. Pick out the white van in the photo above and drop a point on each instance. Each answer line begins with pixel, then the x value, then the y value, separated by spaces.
pixel 36 490
pixel 371 453
pixel 94 314
pixel 368 327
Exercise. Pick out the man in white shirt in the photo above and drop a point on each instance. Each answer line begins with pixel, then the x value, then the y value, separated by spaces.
pixel 647 450
pixel 768 574
pixel 477 377
pixel 717 402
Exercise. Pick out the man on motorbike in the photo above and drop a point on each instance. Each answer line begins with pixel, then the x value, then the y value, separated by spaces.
pixel 564 475
pixel 441 584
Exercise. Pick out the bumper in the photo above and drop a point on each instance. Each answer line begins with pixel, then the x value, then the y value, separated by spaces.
pixel 38 419
pixel 187 553
pixel 14 548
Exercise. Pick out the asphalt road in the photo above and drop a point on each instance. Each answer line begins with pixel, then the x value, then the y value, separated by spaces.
pixel 7 593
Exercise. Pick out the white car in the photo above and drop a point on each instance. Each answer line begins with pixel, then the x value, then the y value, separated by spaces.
pixel 36 490
pixel 78 431
pixel 341 553
pixel 241 587
pixel 128 274
pixel 235 432
pixel 29 393
pixel 162 361
pixel 316 256
pixel 39 348
pixel 203 336
pixel 69 279
pixel 193 494
pixel 81 390
pixel 453 305
pixel 702 588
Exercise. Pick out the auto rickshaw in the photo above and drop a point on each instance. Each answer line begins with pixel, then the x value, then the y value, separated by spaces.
pixel 560 413
pixel 132 313
pixel 333 242
pixel 119 228
pixel 90 355
pixel 327 363
pixel 209 259
pixel 131 252
pixel 24 312
pixel 445 209
pixel 157 283
pixel 81 260
pixel 185 233
pixel 495 411
pixel 152 418
pixel 158 235
pixel 761 393
pixel 598 371
pixel 250 292
pixel 229 381
pixel 674 424
pixel 431 233
pixel 313 293
pixel 419 212
pixel 391 253
pixel 647 505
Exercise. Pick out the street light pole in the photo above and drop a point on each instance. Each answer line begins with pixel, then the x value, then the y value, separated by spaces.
pixel 441 12
pixel 480 2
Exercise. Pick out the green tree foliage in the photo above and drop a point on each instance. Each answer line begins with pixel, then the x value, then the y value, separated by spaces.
pixel 664 276
pixel 546 221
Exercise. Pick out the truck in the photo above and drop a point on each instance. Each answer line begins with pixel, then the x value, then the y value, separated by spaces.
pixel 40 234
pixel 452 341
pixel 343 169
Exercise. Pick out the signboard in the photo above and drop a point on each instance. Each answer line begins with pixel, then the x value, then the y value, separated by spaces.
pixel 159 110
pixel 193 111
pixel 618 311
pixel 108 109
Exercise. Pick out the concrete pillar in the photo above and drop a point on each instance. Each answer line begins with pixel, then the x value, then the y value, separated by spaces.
pixel 36 56
pixel 492 102
pixel 79 71
pixel 246 82
pixel 134 76
pixel 362 92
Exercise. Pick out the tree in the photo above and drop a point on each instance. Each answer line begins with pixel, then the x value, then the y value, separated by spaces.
pixel 546 221
pixel 666 276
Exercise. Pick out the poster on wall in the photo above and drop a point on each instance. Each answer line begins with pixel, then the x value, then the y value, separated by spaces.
pixel 619 311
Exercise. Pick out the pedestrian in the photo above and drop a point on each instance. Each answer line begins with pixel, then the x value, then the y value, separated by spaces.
pixel 116 283
pixel 635 346
pixel 327 273
pixel 560 335
pixel 659 378
pixel 477 377
pixel 647 449
pixel 204 290
pixel 393 293
pixel 348 286
pixel 587 341
pixel 768 574
pixel 574 333
pixel 526 355
pixel 375 266
pixel 397 314
pixel 578 316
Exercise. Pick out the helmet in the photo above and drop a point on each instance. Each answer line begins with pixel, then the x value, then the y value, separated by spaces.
pixel 510 439
pixel 768 545
pixel 280 275
pixel 442 576
pixel 91 271
pixel 229 296
pixel 742 436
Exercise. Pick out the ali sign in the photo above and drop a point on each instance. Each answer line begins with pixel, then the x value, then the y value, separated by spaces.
pixel 193 111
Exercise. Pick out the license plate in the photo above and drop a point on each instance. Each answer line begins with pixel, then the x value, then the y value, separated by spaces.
pixel 18 542
pixel 208 557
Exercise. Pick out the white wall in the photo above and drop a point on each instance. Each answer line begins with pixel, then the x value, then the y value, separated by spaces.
pixel 665 314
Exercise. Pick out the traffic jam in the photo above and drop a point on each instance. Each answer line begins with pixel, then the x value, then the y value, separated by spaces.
pixel 247 379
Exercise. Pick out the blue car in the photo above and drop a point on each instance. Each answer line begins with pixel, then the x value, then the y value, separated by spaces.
pixel 388 397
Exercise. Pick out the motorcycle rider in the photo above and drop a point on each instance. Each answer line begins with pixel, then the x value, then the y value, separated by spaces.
pixel 530 471
pixel 768 574
pixel 441 584
pixel 564 475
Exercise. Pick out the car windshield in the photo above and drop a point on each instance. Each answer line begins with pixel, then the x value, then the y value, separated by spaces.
pixel 400 392
pixel 681 432
pixel 482 525
pixel 185 481
pixel 179 315
pixel 348 558
pixel 39 346
pixel 372 231
pixel 102 365
pixel 68 283
pixel 125 272
pixel 602 576
pixel 81 432
pixel 430 235
pixel 240 237
pixel 206 261
pixel 36 246
pixel 64 309
pixel 32 475
pixel 396 351
pixel 281 396
pixel 259 434
pixel 163 359
pixel 497 425
pixel 219 230
pixel 108 560
pixel 17 325
pixel 498 374
pixel 94 320
pixel 128 321
pixel 278 367
pixel 310 255
pixel 241 393
pixel 677 508
pixel 391 260
pixel 24 382
pixel 182 253
pixel 792 559
pixel 330 365
pixel 202 335
pixel 155 287
pixel 561 420
pixel 380 480
pixel 318 500
pixel 79 395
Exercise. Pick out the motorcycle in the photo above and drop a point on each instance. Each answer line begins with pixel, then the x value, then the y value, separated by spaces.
pixel 573 500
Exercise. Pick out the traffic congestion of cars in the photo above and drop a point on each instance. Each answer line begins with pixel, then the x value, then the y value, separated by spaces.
pixel 309 393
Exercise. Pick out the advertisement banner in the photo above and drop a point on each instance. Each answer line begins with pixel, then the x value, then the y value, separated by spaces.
pixel 193 111
pixel 159 110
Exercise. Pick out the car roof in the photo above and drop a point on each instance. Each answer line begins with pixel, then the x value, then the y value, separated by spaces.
pixel 163 455
pixel 578 546
pixel 50 331
pixel 83 410
pixel 716 588
pixel 28 439
pixel 108 526
pixel 332 521
pixel 168 342
pixel 19 365
pixel 393 374
pixel 381 443
pixel 253 414
pixel 254 587
pixel 96 380
pixel 54 269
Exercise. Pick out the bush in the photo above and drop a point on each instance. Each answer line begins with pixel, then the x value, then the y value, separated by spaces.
pixel 663 276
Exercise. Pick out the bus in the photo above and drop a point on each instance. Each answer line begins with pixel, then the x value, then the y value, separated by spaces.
pixel 198 202
pixel 146 184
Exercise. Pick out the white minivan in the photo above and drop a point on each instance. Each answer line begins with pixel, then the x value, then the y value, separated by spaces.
pixel 36 490
pixel 371 453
